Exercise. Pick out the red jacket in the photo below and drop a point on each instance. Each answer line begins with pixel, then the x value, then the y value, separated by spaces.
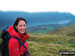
pixel 13 44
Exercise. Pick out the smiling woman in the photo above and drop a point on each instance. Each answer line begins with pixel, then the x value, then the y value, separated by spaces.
pixel 16 44
pixel 20 25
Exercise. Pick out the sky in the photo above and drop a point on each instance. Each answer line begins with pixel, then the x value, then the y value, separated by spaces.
pixel 38 5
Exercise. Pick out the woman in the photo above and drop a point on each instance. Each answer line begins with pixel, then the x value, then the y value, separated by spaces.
pixel 18 30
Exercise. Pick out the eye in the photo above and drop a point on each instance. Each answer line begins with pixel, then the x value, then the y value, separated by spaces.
pixel 20 25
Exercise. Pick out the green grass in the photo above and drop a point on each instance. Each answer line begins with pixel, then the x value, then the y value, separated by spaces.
pixel 44 49
pixel 46 44
pixel 44 29
pixel 65 30
pixel 49 45
pixel 56 39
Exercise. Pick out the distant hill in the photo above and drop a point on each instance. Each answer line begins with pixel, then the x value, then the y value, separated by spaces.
pixel 45 28
pixel 67 30
pixel 7 18
pixel 72 22
pixel 41 29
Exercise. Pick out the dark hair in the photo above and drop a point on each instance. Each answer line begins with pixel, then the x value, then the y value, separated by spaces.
pixel 18 19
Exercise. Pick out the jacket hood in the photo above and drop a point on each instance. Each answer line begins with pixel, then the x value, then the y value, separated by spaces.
pixel 13 33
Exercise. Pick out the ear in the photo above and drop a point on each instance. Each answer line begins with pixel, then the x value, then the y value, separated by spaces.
pixel 15 26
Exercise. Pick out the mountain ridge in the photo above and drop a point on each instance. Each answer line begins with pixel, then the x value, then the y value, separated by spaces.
pixel 34 19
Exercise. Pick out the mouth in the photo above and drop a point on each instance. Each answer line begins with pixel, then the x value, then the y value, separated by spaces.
pixel 22 30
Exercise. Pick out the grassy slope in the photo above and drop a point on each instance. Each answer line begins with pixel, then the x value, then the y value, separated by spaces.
pixel 41 29
pixel 43 49
pixel 45 31
pixel 64 31
pixel 50 44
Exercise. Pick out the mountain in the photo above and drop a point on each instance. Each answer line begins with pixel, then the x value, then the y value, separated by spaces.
pixel 72 22
pixel 67 30
pixel 7 18
pixel 45 28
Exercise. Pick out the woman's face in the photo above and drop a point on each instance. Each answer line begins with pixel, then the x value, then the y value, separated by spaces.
pixel 21 27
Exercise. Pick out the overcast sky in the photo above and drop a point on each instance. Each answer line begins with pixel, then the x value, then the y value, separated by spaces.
pixel 38 5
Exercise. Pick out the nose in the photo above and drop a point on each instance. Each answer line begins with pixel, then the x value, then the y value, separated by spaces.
pixel 23 27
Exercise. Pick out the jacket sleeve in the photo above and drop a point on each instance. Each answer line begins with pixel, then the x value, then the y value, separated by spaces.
pixel 13 47
pixel 26 44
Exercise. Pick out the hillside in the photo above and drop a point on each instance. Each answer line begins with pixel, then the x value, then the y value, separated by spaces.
pixel 7 18
pixel 53 29
pixel 67 30
pixel 45 28
pixel 72 22
pixel 50 44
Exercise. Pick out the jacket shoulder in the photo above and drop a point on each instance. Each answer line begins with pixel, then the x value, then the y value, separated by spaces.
pixel 13 42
